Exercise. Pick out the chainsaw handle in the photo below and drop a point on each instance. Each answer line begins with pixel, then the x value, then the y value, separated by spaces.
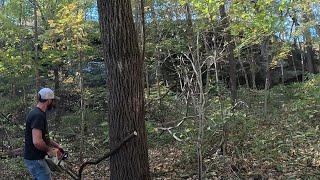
pixel 65 156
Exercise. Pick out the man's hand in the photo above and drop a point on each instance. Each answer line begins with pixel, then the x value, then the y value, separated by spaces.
pixel 55 152
pixel 56 145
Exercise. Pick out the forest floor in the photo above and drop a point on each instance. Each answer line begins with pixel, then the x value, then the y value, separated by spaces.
pixel 281 144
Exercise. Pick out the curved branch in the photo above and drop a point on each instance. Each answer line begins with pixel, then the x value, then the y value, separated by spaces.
pixel 114 151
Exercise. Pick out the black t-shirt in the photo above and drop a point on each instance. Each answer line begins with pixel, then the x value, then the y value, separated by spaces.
pixel 35 119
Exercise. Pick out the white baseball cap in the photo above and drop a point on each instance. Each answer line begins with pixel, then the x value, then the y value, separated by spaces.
pixel 47 93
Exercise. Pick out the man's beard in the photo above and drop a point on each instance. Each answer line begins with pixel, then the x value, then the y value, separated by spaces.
pixel 51 107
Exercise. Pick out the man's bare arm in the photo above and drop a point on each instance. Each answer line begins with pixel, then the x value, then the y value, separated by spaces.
pixel 38 140
pixel 41 145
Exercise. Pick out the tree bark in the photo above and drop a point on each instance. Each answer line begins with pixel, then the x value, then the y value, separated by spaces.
pixel 126 90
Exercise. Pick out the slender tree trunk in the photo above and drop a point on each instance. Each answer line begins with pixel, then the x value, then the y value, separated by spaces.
pixel 36 50
pixel 208 77
pixel 293 58
pixel 82 109
pixel 201 113
pixel 232 70
pixel 244 72
pixel 198 98
pixel 221 107
pixel 264 53
pixel 230 56
pixel 189 24
pixel 282 72
pixel 126 90
pixel 302 59
pixel 208 62
pixel 252 68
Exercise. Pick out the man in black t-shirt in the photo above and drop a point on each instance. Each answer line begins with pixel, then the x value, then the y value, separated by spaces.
pixel 37 141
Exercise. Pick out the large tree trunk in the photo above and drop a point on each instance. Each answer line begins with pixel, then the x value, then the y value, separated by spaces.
pixel 230 56
pixel 126 90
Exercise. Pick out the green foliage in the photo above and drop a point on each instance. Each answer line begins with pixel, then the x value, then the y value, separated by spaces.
pixel 66 36
pixel 290 136
pixel 307 97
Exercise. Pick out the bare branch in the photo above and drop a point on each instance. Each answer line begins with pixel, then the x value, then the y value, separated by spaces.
pixel 170 128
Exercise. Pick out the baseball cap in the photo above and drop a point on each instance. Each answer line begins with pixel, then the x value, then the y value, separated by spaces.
pixel 47 93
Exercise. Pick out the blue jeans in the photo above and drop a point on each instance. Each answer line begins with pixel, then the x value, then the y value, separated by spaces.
pixel 39 169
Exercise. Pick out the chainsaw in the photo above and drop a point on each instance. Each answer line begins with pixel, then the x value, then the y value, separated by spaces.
pixel 62 165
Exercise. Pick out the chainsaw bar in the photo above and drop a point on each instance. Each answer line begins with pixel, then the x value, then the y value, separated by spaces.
pixel 60 165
